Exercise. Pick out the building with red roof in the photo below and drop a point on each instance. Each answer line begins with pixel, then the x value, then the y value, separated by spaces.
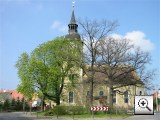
pixel 10 94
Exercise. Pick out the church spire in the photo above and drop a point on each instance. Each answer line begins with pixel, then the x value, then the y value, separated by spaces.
pixel 72 26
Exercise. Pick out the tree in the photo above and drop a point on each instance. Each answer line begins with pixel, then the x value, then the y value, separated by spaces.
pixel 49 65
pixel 19 105
pixel 6 104
pixel 122 63
pixel 13 102
pixel 92 33
pixel 25 87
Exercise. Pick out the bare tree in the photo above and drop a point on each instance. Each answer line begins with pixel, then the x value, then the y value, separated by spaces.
pixel 123 64
pixel 92 33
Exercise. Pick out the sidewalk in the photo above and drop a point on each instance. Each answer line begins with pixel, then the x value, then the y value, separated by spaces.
pixel 134 117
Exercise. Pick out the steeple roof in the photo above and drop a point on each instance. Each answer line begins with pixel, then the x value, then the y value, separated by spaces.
pixel 73 20
pixel 72 26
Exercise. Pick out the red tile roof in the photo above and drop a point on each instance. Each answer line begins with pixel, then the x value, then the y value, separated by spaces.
pixel 14 94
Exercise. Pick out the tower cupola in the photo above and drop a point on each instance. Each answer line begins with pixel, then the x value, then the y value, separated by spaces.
pixel 73 27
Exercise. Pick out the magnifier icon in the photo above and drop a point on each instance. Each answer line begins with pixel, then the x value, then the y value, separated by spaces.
pixel 143 103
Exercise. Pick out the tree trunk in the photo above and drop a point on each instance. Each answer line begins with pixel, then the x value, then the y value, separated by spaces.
pixel 43 104
pixel 91 96
pixel 91 85
pixel 58 100
pixel 24 105
pixel 91 93
pixel 111 96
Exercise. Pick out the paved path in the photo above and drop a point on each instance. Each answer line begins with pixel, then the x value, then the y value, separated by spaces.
pixel 22 116
pixel 145 117
pixel 13 116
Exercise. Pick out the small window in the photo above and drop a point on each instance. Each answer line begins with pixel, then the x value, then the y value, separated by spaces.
pixel 71 97
pixel 101 93
pixel 126 100
pixel 126 94
pixel 114 100
pixel 114 96
pixel 88 93
pixel 140 92
pixel 114 93
pixel 72 27
pixel 126 97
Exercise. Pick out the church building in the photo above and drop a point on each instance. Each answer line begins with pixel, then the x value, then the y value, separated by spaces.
pixel 80 94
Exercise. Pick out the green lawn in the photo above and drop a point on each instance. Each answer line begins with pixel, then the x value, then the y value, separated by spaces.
pixel 99 115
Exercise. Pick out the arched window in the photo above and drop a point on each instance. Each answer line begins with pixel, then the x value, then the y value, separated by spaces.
pixel 71 97
pixel 114 96
pixel 126 97
pixel 140 92
pixel 100 93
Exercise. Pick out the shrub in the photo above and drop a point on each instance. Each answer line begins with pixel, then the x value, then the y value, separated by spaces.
pixel 117 110
pixel 66 110
pixel 60 110
pixel 77 110
pixel 48 113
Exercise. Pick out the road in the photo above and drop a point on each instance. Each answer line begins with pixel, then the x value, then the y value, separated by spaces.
pixel 13 116
pixel 22 116
pixel 145 117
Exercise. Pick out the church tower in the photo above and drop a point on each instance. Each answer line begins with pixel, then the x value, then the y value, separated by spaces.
pixel 73 27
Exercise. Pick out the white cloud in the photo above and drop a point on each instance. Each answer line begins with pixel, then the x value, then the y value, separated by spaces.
pixel 57 25
pixel 116 36
pixel 138 38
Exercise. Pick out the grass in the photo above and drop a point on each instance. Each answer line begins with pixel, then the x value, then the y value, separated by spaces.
pixel 99 115
pixel 5 111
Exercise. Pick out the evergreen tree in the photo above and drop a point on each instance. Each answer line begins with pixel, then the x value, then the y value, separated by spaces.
pixel 6 104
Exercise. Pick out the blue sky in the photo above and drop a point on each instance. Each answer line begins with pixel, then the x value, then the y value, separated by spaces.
pixel 24 24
